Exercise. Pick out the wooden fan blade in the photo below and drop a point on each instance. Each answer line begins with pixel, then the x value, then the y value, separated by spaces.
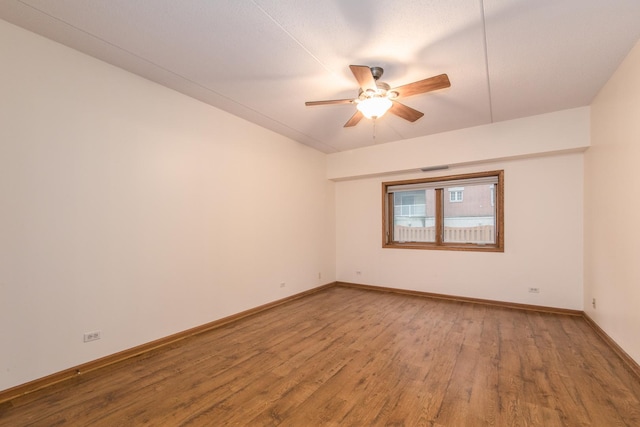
pixel 364 76
pixel 354 119
pixel 405 112
pixel 422 86
pixel 329 102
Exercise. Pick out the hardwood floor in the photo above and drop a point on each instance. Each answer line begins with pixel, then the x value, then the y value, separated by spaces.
pixel 351 357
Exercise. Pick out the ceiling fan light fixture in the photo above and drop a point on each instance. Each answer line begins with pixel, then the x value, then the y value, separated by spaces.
pixel 374 107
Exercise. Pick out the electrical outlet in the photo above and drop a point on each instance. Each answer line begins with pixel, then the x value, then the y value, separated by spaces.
pixel 91 336
pixel 534 290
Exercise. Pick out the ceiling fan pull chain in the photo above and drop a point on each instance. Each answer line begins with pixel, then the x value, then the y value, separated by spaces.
pixel 374 129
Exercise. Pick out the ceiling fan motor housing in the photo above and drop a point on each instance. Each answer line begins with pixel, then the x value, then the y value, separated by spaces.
pixel 377 72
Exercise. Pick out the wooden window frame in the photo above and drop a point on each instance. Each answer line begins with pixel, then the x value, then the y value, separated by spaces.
pixel 439 244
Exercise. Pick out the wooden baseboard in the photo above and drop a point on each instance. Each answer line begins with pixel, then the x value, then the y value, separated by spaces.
pixel 633 366
pixel 514 305
pixel 67 374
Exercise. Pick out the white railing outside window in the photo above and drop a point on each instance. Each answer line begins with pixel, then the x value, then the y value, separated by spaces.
pixel 482 234
pixel 410 210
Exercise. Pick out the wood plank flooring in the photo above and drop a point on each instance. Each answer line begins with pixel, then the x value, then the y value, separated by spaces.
pixel 351 357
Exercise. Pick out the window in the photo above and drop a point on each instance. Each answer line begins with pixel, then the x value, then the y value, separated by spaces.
pixel 417 214
pixel 455 194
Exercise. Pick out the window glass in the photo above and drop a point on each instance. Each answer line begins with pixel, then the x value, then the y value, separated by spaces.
pixel 414 215
pixel 472 220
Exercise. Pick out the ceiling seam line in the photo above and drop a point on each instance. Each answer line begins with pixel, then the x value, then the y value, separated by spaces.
pixel 172 73
pixel 128 52
pixel 291 36
pixel 486 58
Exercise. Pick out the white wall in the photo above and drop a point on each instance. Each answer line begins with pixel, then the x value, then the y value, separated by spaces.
pixel 543 239
pixel 542 157
pixel 556 132
pixel 612 203
pixel 128 208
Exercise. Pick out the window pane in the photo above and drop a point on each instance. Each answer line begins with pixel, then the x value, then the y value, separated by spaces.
pixel 414 216
pixel 455 195
pixel 471 219
pixel 461 212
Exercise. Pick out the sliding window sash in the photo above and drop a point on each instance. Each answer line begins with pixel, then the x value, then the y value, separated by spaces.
pixel 439 184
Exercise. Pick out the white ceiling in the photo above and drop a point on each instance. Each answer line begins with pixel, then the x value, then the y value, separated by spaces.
pixel 262 59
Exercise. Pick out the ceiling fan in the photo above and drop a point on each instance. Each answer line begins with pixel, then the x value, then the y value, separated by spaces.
pixel 376 98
